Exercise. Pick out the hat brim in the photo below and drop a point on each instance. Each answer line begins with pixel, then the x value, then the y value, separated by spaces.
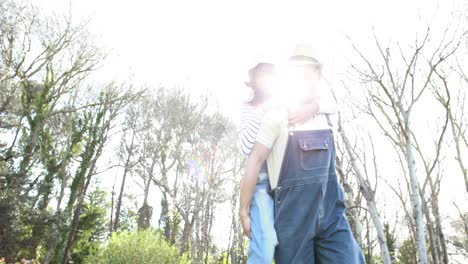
pixel 295 63
pixel 300 60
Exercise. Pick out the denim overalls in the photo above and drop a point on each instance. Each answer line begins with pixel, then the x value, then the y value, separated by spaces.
pixel 310 217
pixel 263 236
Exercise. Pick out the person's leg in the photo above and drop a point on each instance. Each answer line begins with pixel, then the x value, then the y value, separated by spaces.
pixel 263 236
pixel 337 245
pixel 295 223
pixel 335 242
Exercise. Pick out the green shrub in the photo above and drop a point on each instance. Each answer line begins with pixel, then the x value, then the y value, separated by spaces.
pixel 146 246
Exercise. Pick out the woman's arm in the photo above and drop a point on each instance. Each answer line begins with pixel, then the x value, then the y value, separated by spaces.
pixel 258 155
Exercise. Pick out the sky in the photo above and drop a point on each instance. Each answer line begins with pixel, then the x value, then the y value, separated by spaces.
pixel 209 45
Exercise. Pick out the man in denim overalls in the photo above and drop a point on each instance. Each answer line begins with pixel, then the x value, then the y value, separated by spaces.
pixel 310 217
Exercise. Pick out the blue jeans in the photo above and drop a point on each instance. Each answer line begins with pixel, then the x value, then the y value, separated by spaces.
pixel 263 236
pixel 310 216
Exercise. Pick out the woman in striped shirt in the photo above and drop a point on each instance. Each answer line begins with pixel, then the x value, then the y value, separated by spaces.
pixel 263 236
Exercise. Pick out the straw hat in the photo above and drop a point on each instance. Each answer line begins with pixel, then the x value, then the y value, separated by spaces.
pixel 305 54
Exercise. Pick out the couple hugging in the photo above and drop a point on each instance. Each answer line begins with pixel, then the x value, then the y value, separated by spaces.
pixel 291 203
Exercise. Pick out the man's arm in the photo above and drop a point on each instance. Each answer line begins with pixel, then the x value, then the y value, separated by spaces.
pixel 311 108
pixel 322 104
pixel 258 155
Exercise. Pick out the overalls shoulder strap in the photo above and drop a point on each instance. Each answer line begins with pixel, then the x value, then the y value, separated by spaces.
pixel 328 120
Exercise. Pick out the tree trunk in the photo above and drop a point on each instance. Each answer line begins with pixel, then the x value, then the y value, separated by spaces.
pixel 122 186
pixel 439 232
pixel 146 211
pixel 77 213
pixel 164 220
pixel 112 207
pixel 75 221
pixel 207 235
pixel 433 243
pixel 356 223
pixel 186 235
pixel 416 198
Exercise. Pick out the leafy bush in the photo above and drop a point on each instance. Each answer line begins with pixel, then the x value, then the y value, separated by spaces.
pixel 23 261
pixel 144 246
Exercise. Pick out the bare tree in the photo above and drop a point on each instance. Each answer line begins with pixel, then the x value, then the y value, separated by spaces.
pixel 365 187
pixel 126 155
pixel 392 96
pixel 453 97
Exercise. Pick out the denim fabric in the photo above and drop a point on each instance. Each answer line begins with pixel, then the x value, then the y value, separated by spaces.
pixel 309 204
pixel 263 236
pixel 264 168
pixel 263 174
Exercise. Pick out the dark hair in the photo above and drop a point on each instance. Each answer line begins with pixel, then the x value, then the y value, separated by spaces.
pixel 258 96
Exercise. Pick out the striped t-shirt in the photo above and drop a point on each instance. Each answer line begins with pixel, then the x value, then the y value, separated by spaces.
pixel 250 121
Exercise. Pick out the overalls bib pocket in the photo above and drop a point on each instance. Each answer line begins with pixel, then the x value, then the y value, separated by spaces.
pixel 315 153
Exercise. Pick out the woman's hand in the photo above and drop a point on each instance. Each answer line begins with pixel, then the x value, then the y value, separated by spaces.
pixel 305 112
pixel 245 222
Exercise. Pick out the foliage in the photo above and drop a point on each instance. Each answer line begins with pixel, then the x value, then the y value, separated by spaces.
pixel 92 227
pixel 391 240
pixel 460 240
pixel 142 246
pixel 407 252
